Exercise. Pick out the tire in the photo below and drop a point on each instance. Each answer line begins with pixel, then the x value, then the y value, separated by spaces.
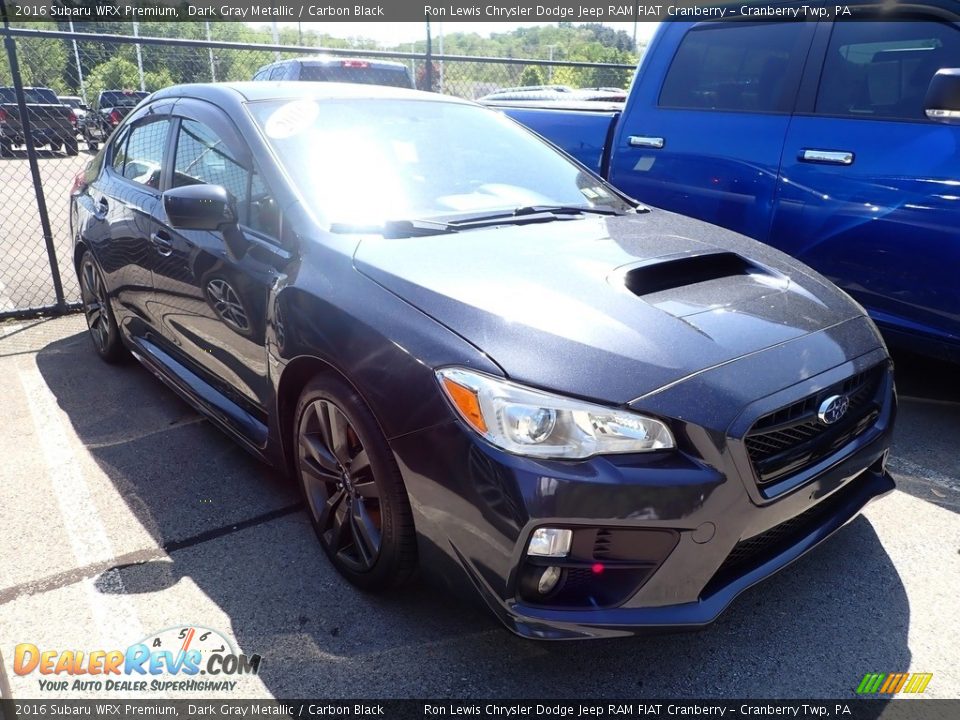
pixel 71 147
pixel 101 323
pixel 92 145
pixel 55 146
pixel 6 149
pixel 355 496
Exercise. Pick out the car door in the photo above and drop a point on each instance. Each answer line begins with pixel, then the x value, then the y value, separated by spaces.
pixel 870 187
pixel 214 286
pixel 126 198
pixel 703 132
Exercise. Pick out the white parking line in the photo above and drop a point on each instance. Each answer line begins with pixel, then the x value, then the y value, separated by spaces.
pixel 117 620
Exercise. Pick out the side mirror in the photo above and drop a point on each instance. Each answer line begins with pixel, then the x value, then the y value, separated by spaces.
pixel 199 207
pixel 943 96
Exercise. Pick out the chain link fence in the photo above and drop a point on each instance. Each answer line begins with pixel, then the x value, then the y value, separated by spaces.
pixel 47 138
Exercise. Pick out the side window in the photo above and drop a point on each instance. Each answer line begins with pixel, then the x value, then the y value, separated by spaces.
pixel 278 72
pixel 261 75
pixel 735 67
pixel 118 153
pixel 142 157
pixel 883 69
pixel 203 158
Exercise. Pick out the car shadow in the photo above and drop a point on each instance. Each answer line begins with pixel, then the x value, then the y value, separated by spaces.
pixel 813 630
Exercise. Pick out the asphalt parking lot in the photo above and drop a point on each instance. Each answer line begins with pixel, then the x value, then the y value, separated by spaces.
pixel 123 513
pixel 24 269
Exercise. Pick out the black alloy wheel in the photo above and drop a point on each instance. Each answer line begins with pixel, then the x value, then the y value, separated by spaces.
pixel 355 497
pixel 96 308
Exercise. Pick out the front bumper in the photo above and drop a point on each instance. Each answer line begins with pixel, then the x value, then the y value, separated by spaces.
pixel 475 508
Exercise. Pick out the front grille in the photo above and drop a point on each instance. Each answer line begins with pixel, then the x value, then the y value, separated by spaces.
pixel 793 438
pixel 752 552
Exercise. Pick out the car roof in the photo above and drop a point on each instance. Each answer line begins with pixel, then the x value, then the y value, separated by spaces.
pixel 236 93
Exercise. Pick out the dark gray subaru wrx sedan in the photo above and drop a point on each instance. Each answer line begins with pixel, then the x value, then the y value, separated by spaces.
pixel 479 359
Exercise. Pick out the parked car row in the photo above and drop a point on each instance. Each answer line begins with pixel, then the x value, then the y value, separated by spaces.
pixel 56 121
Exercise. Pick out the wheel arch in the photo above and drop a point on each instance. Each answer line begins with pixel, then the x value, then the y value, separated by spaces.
pixel 298 372
pixel 79 248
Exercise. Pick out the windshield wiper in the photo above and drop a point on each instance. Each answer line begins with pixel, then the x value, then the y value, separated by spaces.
pixel 532 213
pixel 523 214
pixel 566 210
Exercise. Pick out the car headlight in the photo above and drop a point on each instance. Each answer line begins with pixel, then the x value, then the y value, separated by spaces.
pixel 530 422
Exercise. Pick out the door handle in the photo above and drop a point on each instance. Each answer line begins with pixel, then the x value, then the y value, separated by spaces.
pixel 646 141
pixel 828 157
pixel 162 242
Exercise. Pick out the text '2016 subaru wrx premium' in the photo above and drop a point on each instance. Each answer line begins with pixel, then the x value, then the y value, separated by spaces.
pixel 477 357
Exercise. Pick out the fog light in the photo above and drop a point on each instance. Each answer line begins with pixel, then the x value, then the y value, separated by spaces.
pixel 549 579
pixel 550 542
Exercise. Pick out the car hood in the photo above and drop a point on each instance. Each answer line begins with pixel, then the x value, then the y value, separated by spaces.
pixel 607 308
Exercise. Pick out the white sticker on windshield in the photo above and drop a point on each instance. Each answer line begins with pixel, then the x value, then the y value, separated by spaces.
pixel 291 119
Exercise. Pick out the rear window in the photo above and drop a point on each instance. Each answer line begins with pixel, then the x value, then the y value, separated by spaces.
pixel 121 99
pixel 38 96
pixel 357 71
pixel 735 67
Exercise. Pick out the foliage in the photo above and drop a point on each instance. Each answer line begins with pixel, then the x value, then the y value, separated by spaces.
pixel 531 75
pixel 107 65
pixel 42 67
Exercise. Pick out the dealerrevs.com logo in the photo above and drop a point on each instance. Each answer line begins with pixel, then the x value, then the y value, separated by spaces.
pixel 173 659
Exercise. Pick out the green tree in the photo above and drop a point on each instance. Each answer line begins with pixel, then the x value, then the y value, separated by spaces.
pixel 41 61
pixel 116 74
pixel 531 75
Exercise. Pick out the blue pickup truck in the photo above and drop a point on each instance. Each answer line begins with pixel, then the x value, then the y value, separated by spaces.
pixel 836 142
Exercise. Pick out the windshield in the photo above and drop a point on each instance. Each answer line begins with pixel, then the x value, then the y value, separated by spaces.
pixel 370 161
pixel 128 98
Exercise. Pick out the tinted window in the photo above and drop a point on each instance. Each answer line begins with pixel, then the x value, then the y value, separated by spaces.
pixel 735 67
pixel 203 158
pixel 357 71
pixel 142 157
pixel 882 69
pixel 38 96
pixel 118 151
pixel 126 98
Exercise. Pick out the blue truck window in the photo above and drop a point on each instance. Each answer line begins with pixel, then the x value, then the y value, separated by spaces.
pixel 734 68
pixel 882 69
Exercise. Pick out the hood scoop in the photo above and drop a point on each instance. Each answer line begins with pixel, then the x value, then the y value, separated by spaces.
pixel 663 274
pixel 691 284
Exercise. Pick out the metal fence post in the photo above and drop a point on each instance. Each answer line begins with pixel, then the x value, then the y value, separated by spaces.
pixel 32 159
pixel 428 64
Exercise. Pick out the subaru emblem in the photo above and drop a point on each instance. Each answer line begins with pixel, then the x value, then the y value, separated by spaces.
pixel 833 408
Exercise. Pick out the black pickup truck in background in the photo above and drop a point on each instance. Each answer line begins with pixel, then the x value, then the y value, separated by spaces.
pixel 110 108
pixel 51 122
